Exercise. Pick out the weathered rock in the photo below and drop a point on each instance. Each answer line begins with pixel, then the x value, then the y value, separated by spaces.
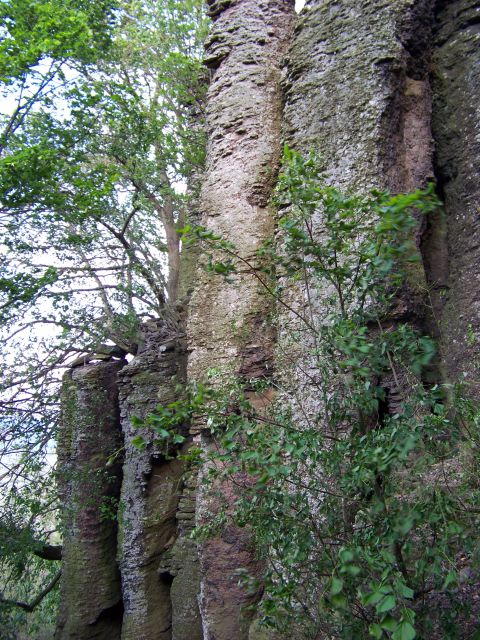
pixel 90 436
pixel 182 563
pixel 357 91
pixel 151 494
pixel 227 324
pixel 244 119
pixel 358 94
pixel 456 129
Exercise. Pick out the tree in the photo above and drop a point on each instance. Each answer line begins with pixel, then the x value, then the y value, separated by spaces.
pixel 104 135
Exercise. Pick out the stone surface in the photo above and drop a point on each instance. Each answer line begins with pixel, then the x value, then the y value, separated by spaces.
pixel 228 321
pixel 90 601
pixel 152 491
pixel 243 118
pixel 456 128
pixel 357 93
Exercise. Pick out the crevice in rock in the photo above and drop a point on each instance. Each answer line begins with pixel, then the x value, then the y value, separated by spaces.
pixel 165 578
pixel 453 235
pixel 407 118
pixel 415 33
pixel 111 616
pixel 434 250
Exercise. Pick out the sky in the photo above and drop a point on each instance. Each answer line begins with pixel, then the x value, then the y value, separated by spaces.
pixel 299 4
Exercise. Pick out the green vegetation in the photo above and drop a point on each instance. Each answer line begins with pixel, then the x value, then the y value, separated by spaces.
pixel 101 132
pixel 362 468
pixel 361 495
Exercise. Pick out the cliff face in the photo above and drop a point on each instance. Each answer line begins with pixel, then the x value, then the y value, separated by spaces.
pixel 357 93
pixel 455 127
pixel 158 563
pixel 387 93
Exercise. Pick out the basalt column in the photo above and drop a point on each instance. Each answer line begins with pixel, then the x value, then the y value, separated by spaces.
pixel 358 94
pixel 89 445
pixel 456 129
pixel 158 561
pixel 228 323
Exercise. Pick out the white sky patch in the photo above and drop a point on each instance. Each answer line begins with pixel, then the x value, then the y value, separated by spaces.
pixel 299 4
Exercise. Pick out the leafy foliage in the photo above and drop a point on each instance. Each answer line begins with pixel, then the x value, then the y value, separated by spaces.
pixel 101 131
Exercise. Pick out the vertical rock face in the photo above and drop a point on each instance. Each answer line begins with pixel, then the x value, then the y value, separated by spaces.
pixel 382 90
pixel 357 91
pixel 456 128
pixel 244 51
pixel 358 94
pixel 227 325
pixel 153 560
pixel 91 603
pixel 376 87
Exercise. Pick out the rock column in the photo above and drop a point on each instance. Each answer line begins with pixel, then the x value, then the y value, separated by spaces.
pixel 228 324
pixel 90 472
pixel 358 94
pixel 159 571
pixel 454 241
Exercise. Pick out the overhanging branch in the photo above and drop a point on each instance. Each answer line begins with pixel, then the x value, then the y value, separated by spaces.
pixel 30 607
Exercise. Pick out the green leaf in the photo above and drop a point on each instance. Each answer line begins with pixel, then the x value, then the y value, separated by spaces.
pixel 351 570
pixel 373 598
pixel 375 630
pixel 389 623
pixel 451 578
pixel 346 556
pixel 404 631
pixel 387 604
pixel 163 433
pixel 139 442
pixel 406 592
pixel 339 601
pixel 336 586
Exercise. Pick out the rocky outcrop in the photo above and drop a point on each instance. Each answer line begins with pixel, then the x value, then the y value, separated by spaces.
pixel 90 473
pixel 394 86
pixel 355 94
pixel 454 239
pixel 358 94
pixel 155 558
pixel 227 325
pixel 387 93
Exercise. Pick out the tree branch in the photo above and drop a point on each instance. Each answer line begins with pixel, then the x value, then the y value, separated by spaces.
pixel 30 607
pixel 49 552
